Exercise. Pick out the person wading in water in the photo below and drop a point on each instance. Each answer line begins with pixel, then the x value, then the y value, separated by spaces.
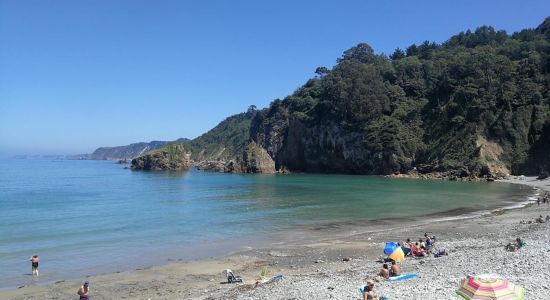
pixel 34 262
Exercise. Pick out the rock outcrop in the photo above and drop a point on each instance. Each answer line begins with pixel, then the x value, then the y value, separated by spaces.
pixel 170 157
pixel 231 166
pixel 257 160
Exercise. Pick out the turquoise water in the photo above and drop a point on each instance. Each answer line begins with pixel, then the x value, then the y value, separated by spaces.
pixel 90 217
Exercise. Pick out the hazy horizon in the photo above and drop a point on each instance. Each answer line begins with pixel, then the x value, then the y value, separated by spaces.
pixel 81 75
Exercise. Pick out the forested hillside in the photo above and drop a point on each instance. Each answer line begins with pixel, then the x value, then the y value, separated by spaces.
pixel 225 141
pixel 477 104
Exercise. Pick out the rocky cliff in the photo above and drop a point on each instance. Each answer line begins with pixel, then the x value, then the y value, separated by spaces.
pixel 171 157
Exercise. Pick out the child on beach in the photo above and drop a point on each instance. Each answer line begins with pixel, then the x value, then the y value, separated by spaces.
pixel 84 291
pixel 34 263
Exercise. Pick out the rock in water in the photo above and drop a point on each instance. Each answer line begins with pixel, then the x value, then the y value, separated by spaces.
pixel 257 160
pixel 170 157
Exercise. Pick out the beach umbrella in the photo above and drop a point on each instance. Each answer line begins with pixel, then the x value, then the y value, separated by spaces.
pixel 394 251
pixel 479 287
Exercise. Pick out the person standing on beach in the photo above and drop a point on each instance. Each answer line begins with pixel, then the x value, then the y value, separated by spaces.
pixel 538 201
pixel 34 263
pixel 84 291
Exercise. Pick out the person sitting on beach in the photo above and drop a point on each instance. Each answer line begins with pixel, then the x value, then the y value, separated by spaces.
pixel 519 243
pixel 84 291
pixel 34 263
pixel 406 248
pixel 422 244
pixel 510 247
pixel 515 247
pixel 395 270
pixel 417 250
pixel 539 219
pixel 369 293
pixel 384 272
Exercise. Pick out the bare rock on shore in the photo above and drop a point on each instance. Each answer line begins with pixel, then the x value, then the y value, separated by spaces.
pixel 231 166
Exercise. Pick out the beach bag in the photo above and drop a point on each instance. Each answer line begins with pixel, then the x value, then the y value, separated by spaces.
pixel 440 252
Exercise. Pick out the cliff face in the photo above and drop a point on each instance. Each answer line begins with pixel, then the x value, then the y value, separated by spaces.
pixel 170 157
pixel 327 147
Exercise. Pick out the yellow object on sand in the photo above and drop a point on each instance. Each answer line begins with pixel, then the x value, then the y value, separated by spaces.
pixel 398 255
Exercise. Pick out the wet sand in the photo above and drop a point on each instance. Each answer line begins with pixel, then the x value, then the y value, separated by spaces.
pixel 314 265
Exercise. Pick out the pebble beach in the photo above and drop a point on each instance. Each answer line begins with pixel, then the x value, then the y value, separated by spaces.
pixel 334 267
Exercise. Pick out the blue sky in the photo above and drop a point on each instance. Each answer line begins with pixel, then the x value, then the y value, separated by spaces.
pixel 76 75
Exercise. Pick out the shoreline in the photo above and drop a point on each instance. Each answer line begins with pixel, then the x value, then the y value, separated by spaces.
pixel 307 265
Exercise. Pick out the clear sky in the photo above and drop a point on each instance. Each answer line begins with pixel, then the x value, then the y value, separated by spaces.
pixel 76 75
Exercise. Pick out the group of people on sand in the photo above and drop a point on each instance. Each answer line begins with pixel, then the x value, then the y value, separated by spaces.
pixel 387 271
pixel 544 200
pixel 539 220
pixel 421 248
pixel 84 290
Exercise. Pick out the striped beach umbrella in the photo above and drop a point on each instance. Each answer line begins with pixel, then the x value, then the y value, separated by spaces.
pixel 394 251
pixel 489 288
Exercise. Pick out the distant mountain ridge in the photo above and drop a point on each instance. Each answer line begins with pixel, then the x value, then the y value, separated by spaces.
pixel 129 151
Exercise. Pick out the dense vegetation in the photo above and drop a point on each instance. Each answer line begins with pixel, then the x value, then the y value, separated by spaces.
pixel 478 102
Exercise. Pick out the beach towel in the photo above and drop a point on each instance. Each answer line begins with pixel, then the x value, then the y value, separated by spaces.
pixel 401 277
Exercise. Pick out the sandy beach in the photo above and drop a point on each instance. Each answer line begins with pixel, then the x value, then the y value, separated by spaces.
pixel 333 267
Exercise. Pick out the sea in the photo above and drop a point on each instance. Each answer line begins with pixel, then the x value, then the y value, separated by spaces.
pixel 86 217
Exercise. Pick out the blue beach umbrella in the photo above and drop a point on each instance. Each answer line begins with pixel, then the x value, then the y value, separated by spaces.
pixel 390 247
pixel 394 251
